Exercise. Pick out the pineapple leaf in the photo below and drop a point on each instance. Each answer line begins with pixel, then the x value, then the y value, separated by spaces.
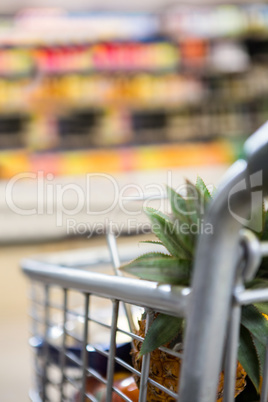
pixel 192 199
pixel 185 237
pixel 261 352
pixel 154 242
pixel 202 188
pixel 262 307
pixel 181 220
pixel 150 210
pixel 248 356
pixel 178 205
pixel 160 268
pixel 163 330
pixel 255 322
pixel 166 232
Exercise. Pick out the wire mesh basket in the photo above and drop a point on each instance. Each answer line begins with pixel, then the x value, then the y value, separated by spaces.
pixel 82 321
pixel 80 328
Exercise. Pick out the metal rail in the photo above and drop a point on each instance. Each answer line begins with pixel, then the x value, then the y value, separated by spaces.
pixel 163 298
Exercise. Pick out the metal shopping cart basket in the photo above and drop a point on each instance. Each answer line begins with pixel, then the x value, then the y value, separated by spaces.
pixel 59 286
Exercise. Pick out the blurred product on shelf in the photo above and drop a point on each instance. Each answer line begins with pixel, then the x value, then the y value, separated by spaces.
pixel 88 81
pixel 86 58
pixel 140 89
pixel 124 159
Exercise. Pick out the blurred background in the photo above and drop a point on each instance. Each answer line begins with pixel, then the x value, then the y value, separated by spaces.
pixel 131 90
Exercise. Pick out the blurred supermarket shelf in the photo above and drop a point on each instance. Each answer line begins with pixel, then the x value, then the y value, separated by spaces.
pixel 34 210
pixel 132 94
pixel 115 159
pixel 84 80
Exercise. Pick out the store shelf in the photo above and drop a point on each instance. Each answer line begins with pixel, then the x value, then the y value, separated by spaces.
pixel 136 90
pixel 140 158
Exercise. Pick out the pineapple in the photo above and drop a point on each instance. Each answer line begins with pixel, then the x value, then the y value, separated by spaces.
pixel 165 369
pixel 177 233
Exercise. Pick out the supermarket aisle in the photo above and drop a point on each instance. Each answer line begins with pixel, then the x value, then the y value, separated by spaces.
pixel 15 354
pixel 15 368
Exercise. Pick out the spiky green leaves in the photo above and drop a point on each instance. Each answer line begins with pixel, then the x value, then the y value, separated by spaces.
pixel 253 339
pixel 191 207
pixel 178 205
pixel 163 330
pixel 161 268
pixel 248 357
pixel 175 267
pixel 255 322
pixel 203 190
pixel 177 233
pixel 168 232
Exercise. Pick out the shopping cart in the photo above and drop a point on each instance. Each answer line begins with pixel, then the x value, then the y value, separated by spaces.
pixel 66 290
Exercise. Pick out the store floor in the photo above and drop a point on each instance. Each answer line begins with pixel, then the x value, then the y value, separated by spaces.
pixel 15 371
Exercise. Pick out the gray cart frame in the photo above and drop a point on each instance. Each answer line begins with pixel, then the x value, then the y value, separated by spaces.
pixel 216 302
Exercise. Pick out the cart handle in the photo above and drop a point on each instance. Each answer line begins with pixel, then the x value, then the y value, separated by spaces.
pixel 215 270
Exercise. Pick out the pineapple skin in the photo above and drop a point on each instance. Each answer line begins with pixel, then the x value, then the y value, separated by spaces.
pixel 165 369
